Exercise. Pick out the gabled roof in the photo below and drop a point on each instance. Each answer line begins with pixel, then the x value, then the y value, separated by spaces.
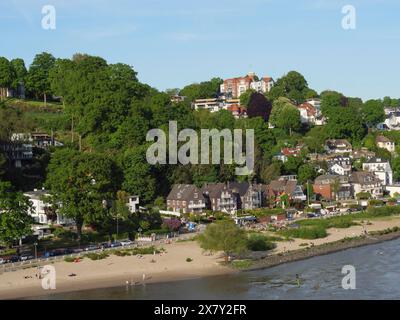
pixel 377 160
pixel 185 192
pixel 335 143
pixel 364 177
pixel 382 139
pixel 311 111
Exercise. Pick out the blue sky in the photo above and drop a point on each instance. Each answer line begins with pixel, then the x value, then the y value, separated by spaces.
pixel 175 42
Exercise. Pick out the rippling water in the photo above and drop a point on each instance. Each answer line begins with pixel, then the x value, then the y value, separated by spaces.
pixel 377 277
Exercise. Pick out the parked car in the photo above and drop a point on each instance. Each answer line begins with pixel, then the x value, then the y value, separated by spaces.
pixel 77 250
pixel 91 248
pixel 26 257
pixel 126 243
pixel 2 261
pixel 13 259
pixel 105 245
pixel 116 244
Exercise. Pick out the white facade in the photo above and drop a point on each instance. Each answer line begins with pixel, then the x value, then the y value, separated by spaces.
pixel 338 169
pixel 381 168
pixel 212 105
pixel 388 145
pixel 39 208
pixel 133 204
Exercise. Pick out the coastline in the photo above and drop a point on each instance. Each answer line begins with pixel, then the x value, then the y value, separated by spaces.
pixel 173 266
pixel 116 271
pixel 320 250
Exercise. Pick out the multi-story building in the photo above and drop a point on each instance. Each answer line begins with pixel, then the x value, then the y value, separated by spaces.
pixel 235 87
pixel 221 198
pixel 385 143
pixel 381 169
pixel 366 182
pixel 17 152
pixel 233 196
pixel 212 105
pixel 339 146
pixel 277 188
pixel 340 165
pixel 42 212
pixel 186 198
pixel 308 113
pixel 333 187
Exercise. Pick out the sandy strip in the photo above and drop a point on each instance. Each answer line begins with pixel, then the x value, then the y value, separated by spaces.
pixel 170 266
pixel 115 271
pixel 339 234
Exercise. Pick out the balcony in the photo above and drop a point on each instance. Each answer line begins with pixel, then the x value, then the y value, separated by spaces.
pixel 197 206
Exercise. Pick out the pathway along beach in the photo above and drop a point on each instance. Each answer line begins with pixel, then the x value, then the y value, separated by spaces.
pixel 172 265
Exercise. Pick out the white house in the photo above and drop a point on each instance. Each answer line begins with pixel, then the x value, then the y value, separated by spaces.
pixel 392 121
pixel 308 113
pixel 213 105
pixel 366 182
pixel 338 146
pixel 340 165
pixel 40 209
pixel 385 143
pixel 381 168
pixel 133 204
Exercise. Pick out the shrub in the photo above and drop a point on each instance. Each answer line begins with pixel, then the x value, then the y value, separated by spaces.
pixel 257 242
pixel 171 224
pixel 69 259
pixel 189 259
pixel 145 250
pixel 97 256
pixel 309 233
pixel 122 253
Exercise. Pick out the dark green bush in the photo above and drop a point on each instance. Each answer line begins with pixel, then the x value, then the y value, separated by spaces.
pixel 258 242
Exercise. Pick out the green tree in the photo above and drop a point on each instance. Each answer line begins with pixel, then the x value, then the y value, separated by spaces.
pixel 332 103
pixel 37 80
pixel 373 112
pixel 7 77
pixel 292 86
pixel 20 72
pixel 203 90
pixel 80 182
pixel 223 236
pixel 292 165
pixel 246 96
pixel 138 174
pixel 15 221
pixel 306 173
pixel 285 115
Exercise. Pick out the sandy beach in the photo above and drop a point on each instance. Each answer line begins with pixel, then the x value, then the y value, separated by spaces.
pixel 115 271
pixel 336 234
pixel 172 265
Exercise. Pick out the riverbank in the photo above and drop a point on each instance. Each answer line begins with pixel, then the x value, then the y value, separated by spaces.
pixel 115 271
pixel 172 265
pixel 337 240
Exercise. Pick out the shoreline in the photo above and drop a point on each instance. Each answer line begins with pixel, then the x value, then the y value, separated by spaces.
pixel 320 250
pixel 115 271
pixel 172 266
pixel 265 263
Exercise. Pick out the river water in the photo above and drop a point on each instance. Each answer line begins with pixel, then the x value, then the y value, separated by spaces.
pixel 377 277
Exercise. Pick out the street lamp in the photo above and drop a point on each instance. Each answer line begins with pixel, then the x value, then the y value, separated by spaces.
pixel 35 244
